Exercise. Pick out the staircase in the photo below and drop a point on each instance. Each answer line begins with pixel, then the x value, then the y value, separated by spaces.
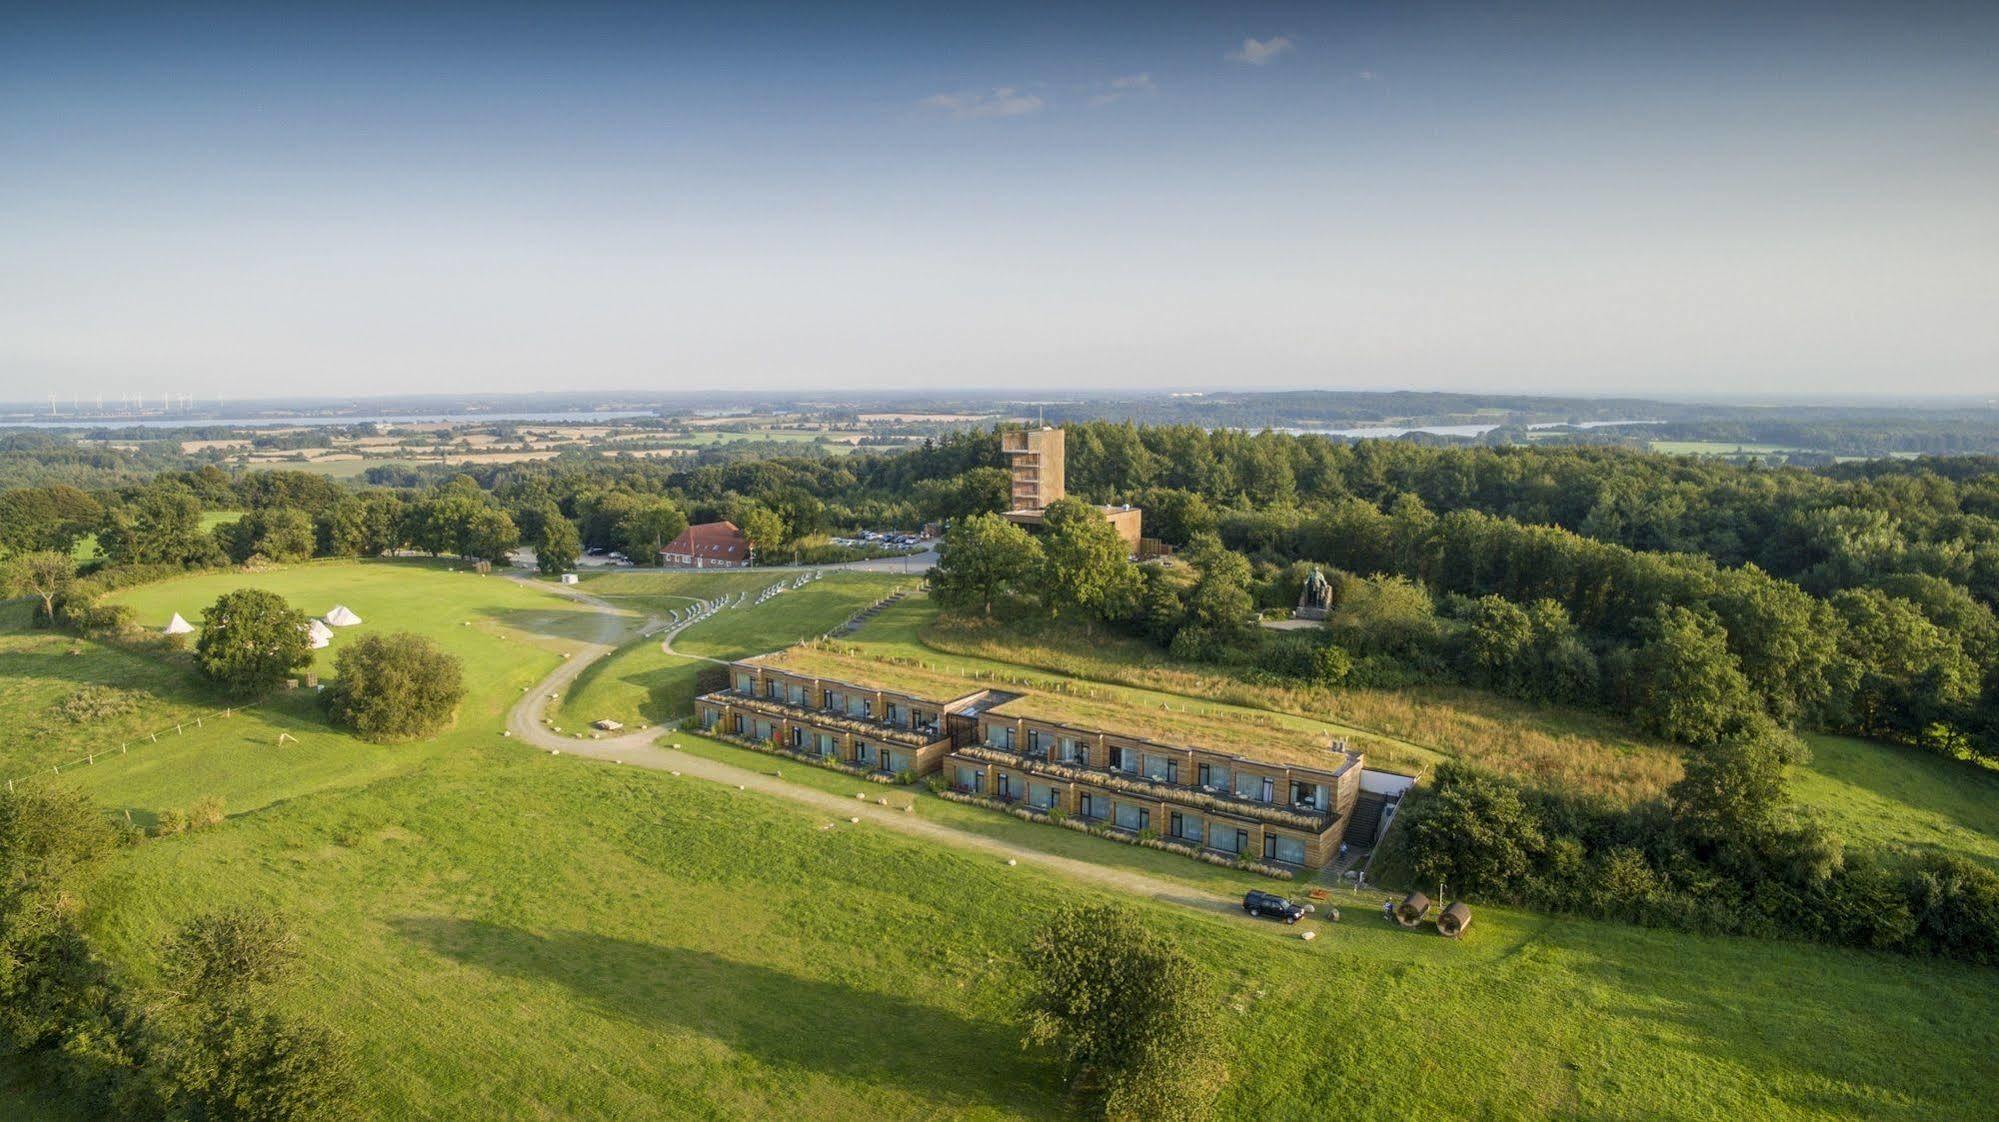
pixel 1366 819
pixel 870 612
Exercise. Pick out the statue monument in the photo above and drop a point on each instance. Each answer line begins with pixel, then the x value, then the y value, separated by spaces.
pixel 1317 598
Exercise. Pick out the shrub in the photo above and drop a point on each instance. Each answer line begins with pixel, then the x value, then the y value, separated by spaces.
pixel 1955 904
pixel 207 811
pixel 95 703
pixel 395 687
pixel 172 821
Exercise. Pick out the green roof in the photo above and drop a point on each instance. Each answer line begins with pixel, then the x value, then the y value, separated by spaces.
pixel 1250 733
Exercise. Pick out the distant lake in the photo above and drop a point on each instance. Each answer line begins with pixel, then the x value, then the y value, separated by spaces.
pixel 577 417
pixel 1384 432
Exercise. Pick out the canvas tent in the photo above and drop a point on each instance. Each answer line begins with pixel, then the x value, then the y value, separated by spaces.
pixel 318 635
pixel 341 617
pixel 178 626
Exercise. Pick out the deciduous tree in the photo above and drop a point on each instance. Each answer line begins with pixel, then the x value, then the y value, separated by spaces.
pixel 251 639
pixel 395 687
pixel 1131 1013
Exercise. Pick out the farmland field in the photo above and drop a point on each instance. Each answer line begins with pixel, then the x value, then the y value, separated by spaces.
pixel 504 933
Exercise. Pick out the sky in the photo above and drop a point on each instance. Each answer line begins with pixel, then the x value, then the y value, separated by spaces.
pixel 1594 198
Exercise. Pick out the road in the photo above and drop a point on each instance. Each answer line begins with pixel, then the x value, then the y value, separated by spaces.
pixel 645 749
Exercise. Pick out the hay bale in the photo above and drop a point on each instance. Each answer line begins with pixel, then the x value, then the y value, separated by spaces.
pixel 1453 920
pixel 1412 909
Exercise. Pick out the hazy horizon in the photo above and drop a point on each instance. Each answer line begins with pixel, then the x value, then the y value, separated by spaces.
pixel 1768 201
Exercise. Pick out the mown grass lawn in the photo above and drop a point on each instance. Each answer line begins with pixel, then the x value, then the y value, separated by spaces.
pixel 508 934
pixel 789 617
pixel 642 684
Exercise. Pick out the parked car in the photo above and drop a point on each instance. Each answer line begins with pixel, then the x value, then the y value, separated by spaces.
pixel 1269 904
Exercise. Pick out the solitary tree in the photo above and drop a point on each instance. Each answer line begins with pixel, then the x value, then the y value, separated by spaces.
pixel 1130 1012
pixel 44 575
pixel 395 687
pixel 251 639
pixel 985 559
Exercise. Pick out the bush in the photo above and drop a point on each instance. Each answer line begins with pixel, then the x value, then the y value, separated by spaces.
pixel 395 687
pixel 1955 904
pixel 172 821
pixel 95 617
pixel 207 811
pixel 95 703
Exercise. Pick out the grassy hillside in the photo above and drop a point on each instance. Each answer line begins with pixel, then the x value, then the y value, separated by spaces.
pixel 642 684
pixel 1896 797
pixel 504 933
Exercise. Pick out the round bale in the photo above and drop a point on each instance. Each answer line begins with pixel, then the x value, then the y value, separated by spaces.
pixel 1412 909
pixel 1453 920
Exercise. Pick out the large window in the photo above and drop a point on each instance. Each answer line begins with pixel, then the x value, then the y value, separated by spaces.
pixel 1257 787
pixel 1214 775
pixel 1041 795
pixel 1223 836
pixel 1289 850
pixel 1073 752
pixel 744 684
pixel 970 778
pixel 1156 767
pixel 1133 817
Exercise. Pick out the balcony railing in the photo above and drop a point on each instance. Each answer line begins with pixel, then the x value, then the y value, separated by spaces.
pixel 1309 819
pixel 832 718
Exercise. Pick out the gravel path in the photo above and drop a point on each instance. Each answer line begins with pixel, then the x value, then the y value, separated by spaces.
pixel 642 749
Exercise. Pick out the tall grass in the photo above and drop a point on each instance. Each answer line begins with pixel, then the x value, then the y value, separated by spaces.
pixel 1407 730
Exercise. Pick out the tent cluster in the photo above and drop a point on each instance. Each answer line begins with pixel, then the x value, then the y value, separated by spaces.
pixel 319 633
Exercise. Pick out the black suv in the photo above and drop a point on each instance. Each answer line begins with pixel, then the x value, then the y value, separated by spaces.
pixel 1266 904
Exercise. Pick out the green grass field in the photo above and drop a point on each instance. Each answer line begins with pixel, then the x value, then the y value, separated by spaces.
pixel 1891 796
pixel 507 934
pixel 642 684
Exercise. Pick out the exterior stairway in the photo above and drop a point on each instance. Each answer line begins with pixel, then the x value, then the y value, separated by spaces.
pixel 1365 821
pixel 870 612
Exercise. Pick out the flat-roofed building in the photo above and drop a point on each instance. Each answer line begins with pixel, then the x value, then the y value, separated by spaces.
pixel 1253 787
pixel 860 718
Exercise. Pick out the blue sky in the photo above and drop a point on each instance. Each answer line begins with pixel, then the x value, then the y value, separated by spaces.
pixel 1589 197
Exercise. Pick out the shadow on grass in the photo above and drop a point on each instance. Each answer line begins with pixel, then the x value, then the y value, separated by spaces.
pixel 555 622
pixel 669 690
pixel 781 1019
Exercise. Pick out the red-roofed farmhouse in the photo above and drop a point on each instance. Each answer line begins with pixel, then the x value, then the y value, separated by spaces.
pixel 711 545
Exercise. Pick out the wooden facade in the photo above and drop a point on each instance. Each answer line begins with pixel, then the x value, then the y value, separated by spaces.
pixel 1273 809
